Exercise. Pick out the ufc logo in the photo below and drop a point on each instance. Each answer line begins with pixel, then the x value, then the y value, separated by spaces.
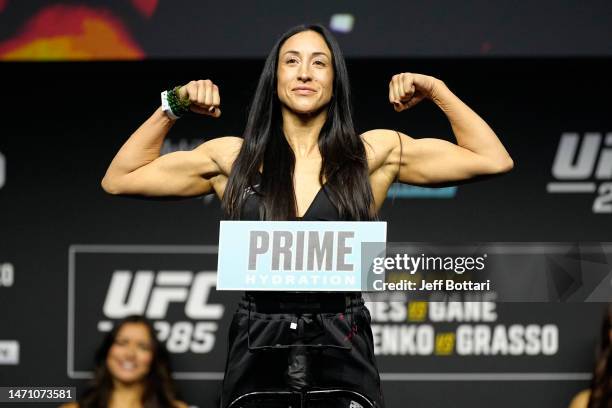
pixel 580 163
pixel 576 157
pixel 146 293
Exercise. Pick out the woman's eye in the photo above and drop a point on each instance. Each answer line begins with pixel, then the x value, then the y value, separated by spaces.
pixel 291 60
pixel 320 63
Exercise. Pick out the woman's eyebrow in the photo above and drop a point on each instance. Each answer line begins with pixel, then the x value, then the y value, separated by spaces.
pixel 316 53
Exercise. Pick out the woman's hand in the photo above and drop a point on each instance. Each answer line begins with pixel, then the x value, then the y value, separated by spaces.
pixel 408 89
pixel 204 97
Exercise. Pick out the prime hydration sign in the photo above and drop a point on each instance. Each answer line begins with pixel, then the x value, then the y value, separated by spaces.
pixel 295 255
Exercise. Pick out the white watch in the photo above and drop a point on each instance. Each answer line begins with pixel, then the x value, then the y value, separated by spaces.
pixel 166 106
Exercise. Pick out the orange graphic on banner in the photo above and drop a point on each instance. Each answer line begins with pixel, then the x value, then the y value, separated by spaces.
pixel 71 33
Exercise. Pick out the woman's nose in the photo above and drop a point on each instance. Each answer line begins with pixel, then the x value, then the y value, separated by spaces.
pixel 304 73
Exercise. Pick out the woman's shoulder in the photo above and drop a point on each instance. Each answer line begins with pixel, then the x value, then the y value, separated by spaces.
pixel 224 144
pixel 377 137
pixel 222 150
pixel 179 404
pixel 380 143
pixel 581 400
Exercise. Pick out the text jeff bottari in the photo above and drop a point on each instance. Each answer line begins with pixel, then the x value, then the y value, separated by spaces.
pixel 438 284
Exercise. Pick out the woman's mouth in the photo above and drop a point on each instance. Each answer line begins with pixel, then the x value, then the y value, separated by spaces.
pixel 304 90
pixel 127 365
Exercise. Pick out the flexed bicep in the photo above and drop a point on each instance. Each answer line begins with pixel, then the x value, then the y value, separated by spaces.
pixel 395 156
pixel 173 174
pixel 432 161
pixel 182 173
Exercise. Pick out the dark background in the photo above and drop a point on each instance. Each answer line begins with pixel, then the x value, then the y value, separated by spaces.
pixel 385 28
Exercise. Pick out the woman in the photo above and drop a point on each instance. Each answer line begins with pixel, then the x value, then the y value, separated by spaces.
pixel 132 370
pixel 600 393
pixel 300 158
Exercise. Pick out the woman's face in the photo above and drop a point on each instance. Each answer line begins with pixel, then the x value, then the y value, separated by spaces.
pixel 129 358
pixel 305 73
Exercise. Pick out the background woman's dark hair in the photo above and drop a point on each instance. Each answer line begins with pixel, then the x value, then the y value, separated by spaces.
pixel 601 384
pixel 344 166
pixel 159 389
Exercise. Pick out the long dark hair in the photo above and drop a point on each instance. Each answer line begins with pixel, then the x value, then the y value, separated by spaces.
pixel 159 389
pixel 601 384
pixel 344 165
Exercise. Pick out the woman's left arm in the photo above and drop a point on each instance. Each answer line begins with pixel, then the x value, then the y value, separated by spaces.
pixel 430 161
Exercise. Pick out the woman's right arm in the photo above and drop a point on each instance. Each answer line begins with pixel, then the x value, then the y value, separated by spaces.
pixel 138 168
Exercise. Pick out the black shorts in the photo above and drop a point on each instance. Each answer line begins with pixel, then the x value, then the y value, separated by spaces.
pixel 301 344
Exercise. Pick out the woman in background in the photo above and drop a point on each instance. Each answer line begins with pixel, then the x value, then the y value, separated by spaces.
pixel 600 393
pixel 132 370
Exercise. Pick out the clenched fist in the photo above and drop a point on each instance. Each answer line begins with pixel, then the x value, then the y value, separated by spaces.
pixel 408 89
pixel 203 96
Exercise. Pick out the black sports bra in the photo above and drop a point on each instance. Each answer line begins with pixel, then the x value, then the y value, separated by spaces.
pixel 321 208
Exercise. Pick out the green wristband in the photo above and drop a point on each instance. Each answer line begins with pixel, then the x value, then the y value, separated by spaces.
pixel 179 107
pixel 185 103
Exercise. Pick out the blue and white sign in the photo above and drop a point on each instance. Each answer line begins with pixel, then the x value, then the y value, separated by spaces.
pixel 296 255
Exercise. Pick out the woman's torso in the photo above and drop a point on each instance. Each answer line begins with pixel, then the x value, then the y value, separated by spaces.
pixel 381 175
pixel 320 208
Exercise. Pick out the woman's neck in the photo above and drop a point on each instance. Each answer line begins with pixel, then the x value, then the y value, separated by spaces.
pixel 302 131
pixel 126 395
